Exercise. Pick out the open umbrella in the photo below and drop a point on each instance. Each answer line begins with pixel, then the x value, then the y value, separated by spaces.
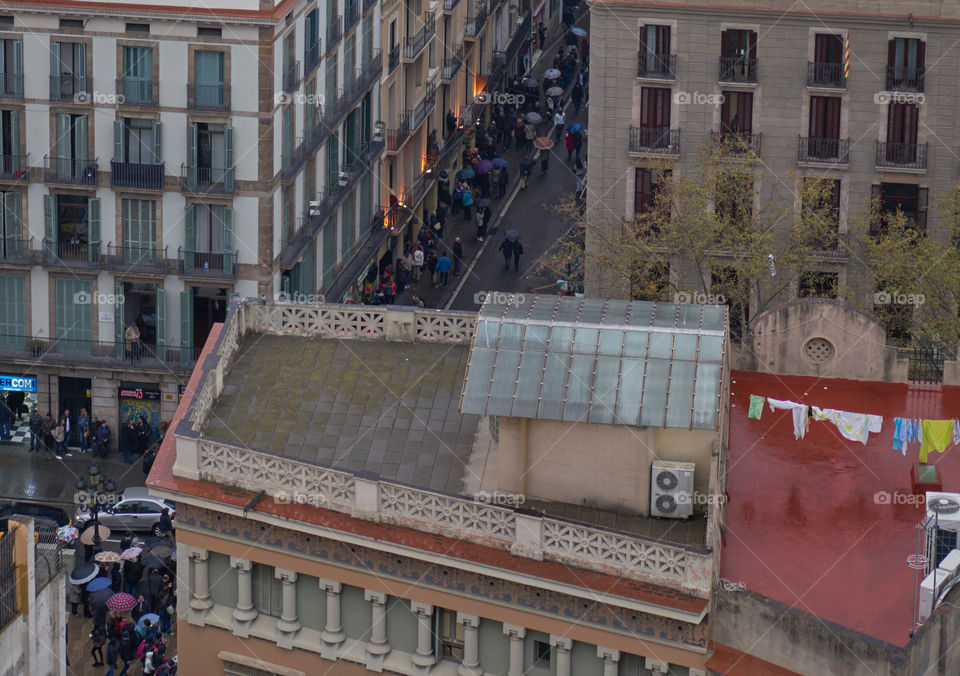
pixel 543 143
pixel 87 536
pixel 555 91
pixel 512 235
pixel 98 583
pixel 85 572
pixel 526 166
pixel 153 561
pixel 106 557
pixel 131 553
pixel 121 602
pixel 67 533
pixel 484 203
pixel 163 551
pixel 500 162
pixel 530 81
pixel 483 167
pixel 99 599
pixel 154 541
pixel 152 617
pixel 466 174
pixel 534 118
pixel 579 32
pixel 575 128
pixel 551 74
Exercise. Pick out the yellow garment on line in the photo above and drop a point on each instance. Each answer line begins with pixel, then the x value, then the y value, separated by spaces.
pixel 937 435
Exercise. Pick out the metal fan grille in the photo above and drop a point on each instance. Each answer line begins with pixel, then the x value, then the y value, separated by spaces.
pixel 944 506
pixel 667 481
pixel 666 504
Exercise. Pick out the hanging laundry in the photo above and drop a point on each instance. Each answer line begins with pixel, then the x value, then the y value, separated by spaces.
pixel 956 432
pixel 899 428
pixel 800 421
pixel 756 406
pixel 937 435
pixel 874 423
pixel 852 426
pixel 911 429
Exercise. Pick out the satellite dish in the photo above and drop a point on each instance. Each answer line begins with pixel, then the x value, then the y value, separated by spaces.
pixel 944 506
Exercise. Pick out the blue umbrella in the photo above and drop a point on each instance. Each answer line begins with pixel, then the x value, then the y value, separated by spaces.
pixel 575 128
pixel 98 584
pixel 466 173
pixel 153 617
pixel 500 162
pixel 579 32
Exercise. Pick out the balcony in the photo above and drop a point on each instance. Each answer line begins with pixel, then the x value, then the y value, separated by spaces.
pixel 823 150
pixel 837 249
pixel 399 135
pixel 412 47
pixel 826 75
pixel 291 78
pixel 73 254
pixel 221 265
pixel 519 38
pixel 498 61
pixel 70 171
pixel 69 87
pixel 138 176
pixel 423 108
pixel 736 144
pixel 207 97
pixel 654 141
pixel 903 79
pixel 476 22
pixel 394 58
pixel 450 5
pixel 292 162
pixel 11 85
pixel 311 58
pixel 656 66
pixel 738 70
pixel 135 92
pixel 149 260
pixel 912 156
pixel 212 180
pixel 14 168
pixel 351 16
pixel 451 65
pixel 414 194
pixel 16 251
pixel 334 33
pixel 96 353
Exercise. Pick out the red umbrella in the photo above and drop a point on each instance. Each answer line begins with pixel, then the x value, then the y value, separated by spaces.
pixel 121 602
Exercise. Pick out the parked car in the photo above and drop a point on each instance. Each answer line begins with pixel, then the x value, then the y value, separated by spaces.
pixel 136 510
pixel 37 511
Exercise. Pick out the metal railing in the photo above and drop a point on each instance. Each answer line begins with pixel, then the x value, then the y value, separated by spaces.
pixel 413 46
pixel 904 79
pixel 137 259
pixel 658 66
pixel 74 351
pixel 925 364
pixel 207 97
pixel 207 179
pixel 399 135
pixel 736 143
pixel 291 78
pixel 311 57
pixel 351 16
pixel 450 5
pixel 292 161
pixel 9 603
pixel 16 250
pixel 837 248
pixel 825 75
pixel 902 155
pixel 519 37
pixel 69 170
pixel 14 167
pixel 659 140
pixel 476 22
pixel 424 107
pixel 140 176
pixel 221 264
pixel 416 192
pixel 826 150
pixel 72 254
pixel 498 60
pixel 738 69
pixel 47 557
pixel 136 92
pixel 334 33
pixel 11 85
pixel 452 64
pixel 394 58
pixel 70 87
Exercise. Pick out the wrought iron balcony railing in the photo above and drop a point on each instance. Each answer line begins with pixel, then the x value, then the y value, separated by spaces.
pixel 215 180
pixel 291 78
pixel 825 75
pixel 902 155
pixel 736 144
pixel 70 87
pixel 656 66
pixel 351 16
pixel 16 251
pixel 70 171
pixel 738 69
pixel 334 33
pixel 476 22
pixel 14 167
pixel 137 259
pixel 904 79
pixel 193 263
pixel 139 176
pixel 76 253
pixel 399 135
pixel 394 58
pixel 311 57
pixel 423 107
pixel 74 351
pixel 135 91
pixel 451 65
pixel 823 150
pixel 11 85
pixel 656 140
pixel 208 97
pixel 413 46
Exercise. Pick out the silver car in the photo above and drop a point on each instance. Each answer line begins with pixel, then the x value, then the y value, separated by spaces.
pixel 136 510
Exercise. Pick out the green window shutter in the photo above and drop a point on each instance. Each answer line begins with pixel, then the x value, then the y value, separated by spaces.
pixel 157 142
pixel 62 144
pixel 330 82
pixel 55 71
pixel 161 325
pixel 80 66
pixel 186 326
pixel 13 224
pixel 118 322
pixel 349 226
pixel 119 152
pixel 333 162
pixel 13 312
pixel 18 67
pixel 189 237
pixel 50 227
pixel 287 148
pixel 228 256
pixel 192 134
pixel 74 315
pixel 93 240
pixel 366 205
pixel 329 250
pixel 310 89
pixel 15 161
pixel 228 174
pixel 80 150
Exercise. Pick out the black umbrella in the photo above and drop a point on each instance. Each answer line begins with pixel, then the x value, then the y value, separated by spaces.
pixel 99 598
pixel 162 551
pixel 484 202
pixel 153 561
pixel 84 573
pixel 512 235
pixel 156 541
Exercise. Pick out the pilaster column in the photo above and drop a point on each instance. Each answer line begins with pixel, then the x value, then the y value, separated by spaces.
pixel 287 625
pixel 244 613
pixel 563 646
pixel 424 658
pixel 377 647
pixel 200 600
pixel 611 660
pixel 516 635
pixel 332 635
pixel 471 645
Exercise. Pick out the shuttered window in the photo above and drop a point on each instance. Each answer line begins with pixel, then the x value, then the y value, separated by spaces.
pixel 13 312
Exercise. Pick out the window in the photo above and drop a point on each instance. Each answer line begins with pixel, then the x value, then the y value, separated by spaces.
pixel 72 146
pixel 449 635
pixel 736 114
pixel 734 198
pixel 541 654
pixel 137 141
pixel 12 163
pixel 208 79
pixel 209 32
pixel 820 201
pixel 902 124
pixel 71 24
pixel 13 311
pixel 138 28
pixel 74 320
pixel 333 162
pixel 654 128
pixel 738 56
pixel 311 41
pixel 267 590
pixel 828 48
pixel 68 70
pixel 288 131
pixel 905 63
pixel 6 21
pixel 139 230
pixel 646 182
pixel 138 75
pixel 655 50
pixel 824 128
pixel 208 237
pixel 11 226
pixel 210 154
pixel 11 68
pixel 818 285
pixel 71 227
pixel 910 199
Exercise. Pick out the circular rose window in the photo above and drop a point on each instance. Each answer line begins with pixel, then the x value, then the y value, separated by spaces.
pixel 818 350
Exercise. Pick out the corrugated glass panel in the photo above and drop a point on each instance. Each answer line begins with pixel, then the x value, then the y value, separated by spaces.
pixel 569 312
pixel 631 392
pixel 661 345
pixel 585 341
pixel 635 343
pixel 543 309
pixel 641 312
pixel 705 397
pixel 680 396
pixel 689 316
pixel 714 317
pixel 511 336
pixel 685 346
pixel 655 392
pixel 478 380
pixel 611 342
pixel 504 383
pixel 561 340
pixel 616 312
pixel 528 384
pixel 487 333
pixel 554 382
pixel 535 338
pixel 579 385
pixel 711 348
pixel 665 315
pixel 606 385
pixel 592 313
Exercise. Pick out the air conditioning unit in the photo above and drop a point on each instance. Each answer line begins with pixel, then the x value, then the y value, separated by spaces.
pixel 671 489
pixel 314 208
pixel 344 179
pixel 933 586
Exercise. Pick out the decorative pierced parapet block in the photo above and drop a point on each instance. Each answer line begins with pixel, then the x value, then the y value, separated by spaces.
pixel 435 327
pixel 328 321
pixel 286 480
pixel 202 403
pixel 445 515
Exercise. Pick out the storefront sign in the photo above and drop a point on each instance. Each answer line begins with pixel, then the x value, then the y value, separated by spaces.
pixel 140 393
pixel 18 383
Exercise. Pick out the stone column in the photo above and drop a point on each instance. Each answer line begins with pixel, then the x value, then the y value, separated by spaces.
pixel 563 646
pixel 200 600
pixel 332 635
pixel 516 635
pixel 611 660
pixel 471 645
pixel 287 625
pixel 244 613
pixel 424 658
pixel 377 647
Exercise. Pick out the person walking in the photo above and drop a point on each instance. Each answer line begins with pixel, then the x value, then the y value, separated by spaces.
pixel 467 200
pixel 48 426
pixel 457 198
pixel 73 595
pixel 6 420
pixel 503 178
pixel 577 144
pixel 418 258
pixel 569 143
pixel 576 95
pixel 36 430
pixel 96 652
pixel 147 464
pixel 529 133
pixel 559 119
pixel 544 161
pixel 389 290
pixel 132 572
pixel 481 232
pixel 517 252
pixel 112 653
pixel 457 255
pixel 443 269
pixel 165 526
pixel 506 248
pixel 128 436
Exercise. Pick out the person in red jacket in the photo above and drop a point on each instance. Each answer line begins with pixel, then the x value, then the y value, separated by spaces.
pixel 569 146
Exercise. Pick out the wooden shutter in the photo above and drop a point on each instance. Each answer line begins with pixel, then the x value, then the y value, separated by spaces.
pixel 50 227
pixel 80 66
pixel 192 135
pixel 228 159
pixel 921 54
pixel 189 237
pixel 725 43
pixel 81 149
pixel 752 51
pixel 228 240
pixel 119 142
pixel 13 222
pixel 13 315
pixel 186 326
pixel 18 67
pixel 62 144
pixel 892 52
pixel 93 222
pixel 118 321
pixel 642 191
pixel 824 117
pixel 161 324
pixel 876 207
pixel 157 142
pixel 654 108
pixel 745 111
pixel 895 123
pixel 55 71
pixel 15 165
pixel 922 210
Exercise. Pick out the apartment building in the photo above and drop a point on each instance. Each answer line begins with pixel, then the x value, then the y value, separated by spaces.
pixel 775 79
pixel 428 505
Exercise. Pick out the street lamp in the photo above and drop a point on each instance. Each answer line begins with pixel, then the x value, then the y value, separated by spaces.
pixel 99 494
